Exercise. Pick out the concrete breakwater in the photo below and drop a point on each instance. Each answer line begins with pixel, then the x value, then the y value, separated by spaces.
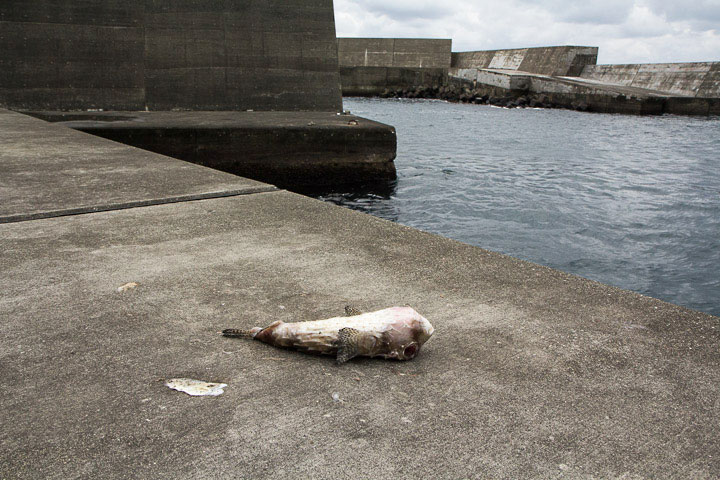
pixel 467 93
pixel 369 66
pixel 564 77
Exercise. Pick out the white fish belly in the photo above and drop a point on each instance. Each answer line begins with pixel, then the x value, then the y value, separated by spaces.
pixel 322 335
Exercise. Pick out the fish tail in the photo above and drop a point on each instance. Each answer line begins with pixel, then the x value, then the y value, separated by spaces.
pixel 237 333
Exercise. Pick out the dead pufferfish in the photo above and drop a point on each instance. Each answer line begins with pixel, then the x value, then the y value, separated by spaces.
pixel 396 333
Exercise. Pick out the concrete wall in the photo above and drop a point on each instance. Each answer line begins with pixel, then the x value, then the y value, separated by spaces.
pixel 562 61
pixel 371 81
pixel 700 79
pixel 369 66
pixel 394 52
pixel 163 54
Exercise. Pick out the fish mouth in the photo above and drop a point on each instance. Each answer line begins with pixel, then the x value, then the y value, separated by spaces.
pixel 410 351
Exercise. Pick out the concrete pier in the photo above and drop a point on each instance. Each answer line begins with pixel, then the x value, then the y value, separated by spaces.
pixel 288 149
pixel 532 373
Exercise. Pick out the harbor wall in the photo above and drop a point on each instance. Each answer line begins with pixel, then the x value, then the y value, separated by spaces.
pixel 161 55
pixel 394 52
pixel 699 79
pixel 557 61
pixel 370 66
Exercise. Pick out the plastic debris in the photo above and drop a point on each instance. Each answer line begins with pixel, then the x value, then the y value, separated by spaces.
pixel 196 388
pixel 127 286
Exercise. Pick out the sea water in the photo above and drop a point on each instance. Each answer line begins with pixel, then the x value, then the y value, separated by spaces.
pixel 625 200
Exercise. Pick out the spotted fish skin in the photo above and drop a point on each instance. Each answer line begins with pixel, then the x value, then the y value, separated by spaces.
pixel 393 333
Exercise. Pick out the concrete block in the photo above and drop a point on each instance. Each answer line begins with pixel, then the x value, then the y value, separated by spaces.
pixel 116 13
pixel 158 41
pixel 398 52
pixel 284 148
pixel 508 59
pixel 611 74
pixel 710 87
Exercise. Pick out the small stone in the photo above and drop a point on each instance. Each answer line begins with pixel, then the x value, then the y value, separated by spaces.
pixel 336 397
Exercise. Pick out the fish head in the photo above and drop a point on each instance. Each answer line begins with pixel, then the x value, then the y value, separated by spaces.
pixel 407 339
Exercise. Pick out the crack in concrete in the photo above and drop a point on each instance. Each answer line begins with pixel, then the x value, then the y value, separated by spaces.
pixel 24 217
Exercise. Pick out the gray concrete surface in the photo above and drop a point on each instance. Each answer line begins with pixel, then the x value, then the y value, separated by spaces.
pixel 394 52
pixel 699 79
pixel 562 60
pixel 288 149
pixel 373 81
pixel 532 373
pixel 369 66
pixel 49 170
pixel 138 54
pixel 596 95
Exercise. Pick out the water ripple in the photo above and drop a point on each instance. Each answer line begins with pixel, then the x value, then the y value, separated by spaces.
pixel 629 201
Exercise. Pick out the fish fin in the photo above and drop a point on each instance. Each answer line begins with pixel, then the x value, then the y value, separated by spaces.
pixel 347 344
pixel 351 311
pixel 236 333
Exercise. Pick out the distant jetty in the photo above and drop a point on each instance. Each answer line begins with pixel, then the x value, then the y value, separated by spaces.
pixel 559 77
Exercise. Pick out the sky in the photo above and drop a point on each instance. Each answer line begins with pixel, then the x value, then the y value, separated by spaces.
pixel 627 31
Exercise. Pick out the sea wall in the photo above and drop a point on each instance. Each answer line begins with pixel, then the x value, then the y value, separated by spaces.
pixel 160 55
pixel 700 79
pixel 373 81
pixel 562 61
pixel 394 52
pixel 370 66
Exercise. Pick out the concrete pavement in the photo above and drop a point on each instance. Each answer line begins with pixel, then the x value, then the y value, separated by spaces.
pixel 532 373
pixel 49 170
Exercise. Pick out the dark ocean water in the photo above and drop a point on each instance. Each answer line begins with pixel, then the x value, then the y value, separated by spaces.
pixel 625 200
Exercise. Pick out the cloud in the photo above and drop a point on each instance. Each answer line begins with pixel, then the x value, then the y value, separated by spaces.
pixel 627 31
pixel 406 9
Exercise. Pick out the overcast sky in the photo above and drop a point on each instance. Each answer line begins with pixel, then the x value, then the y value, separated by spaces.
pixel 627 31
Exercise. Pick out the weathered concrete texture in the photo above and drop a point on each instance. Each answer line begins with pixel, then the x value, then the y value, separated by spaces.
pixel 138 54
pixel 592 94
pixel 531 372
pixel 394 52
pixel 701 79
pixel 371 81
pixel 48 170
pixel 370 66
pixel 283 148
pixel 564 60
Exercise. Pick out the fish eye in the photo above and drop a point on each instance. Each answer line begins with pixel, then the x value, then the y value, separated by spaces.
pixel 410 351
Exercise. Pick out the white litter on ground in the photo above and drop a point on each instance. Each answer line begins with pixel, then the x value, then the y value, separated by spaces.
pixel 196 387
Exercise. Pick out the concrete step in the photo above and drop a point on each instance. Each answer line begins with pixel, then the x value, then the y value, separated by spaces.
pixel 288 149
